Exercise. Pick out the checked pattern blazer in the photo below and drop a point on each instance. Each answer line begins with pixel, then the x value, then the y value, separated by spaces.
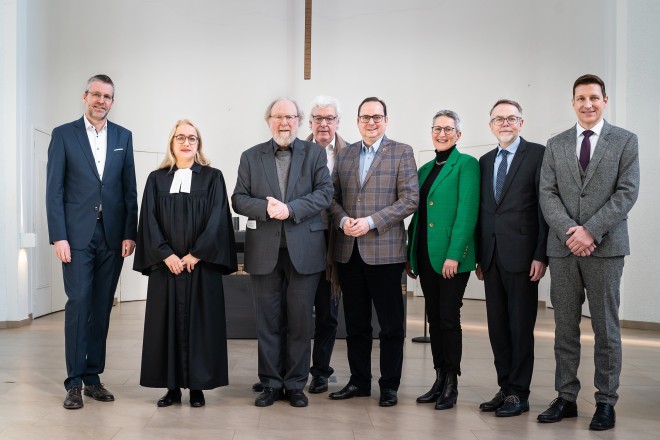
pixel 389 194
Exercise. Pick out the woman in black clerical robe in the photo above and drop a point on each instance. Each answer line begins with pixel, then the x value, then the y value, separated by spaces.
pixel 185 244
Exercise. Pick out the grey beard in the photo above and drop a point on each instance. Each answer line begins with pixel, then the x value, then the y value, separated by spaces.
pixel 284 141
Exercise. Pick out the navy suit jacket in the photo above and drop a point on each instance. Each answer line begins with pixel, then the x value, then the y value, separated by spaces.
pixel 75 191
pixel 515 228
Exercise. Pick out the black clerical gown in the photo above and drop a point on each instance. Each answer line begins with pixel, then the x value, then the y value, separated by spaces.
pixel 185 337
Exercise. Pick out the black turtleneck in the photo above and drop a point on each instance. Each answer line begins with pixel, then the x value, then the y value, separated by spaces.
pixel 422 227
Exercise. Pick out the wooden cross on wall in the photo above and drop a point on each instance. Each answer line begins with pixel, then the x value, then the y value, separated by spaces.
pixel 308 40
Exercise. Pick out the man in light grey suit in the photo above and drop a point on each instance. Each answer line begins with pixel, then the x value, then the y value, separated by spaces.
pixel 589 183
pixel 282 187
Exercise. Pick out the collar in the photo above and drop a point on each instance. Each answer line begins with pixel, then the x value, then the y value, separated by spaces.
pixel 277 147
pixel 511 148
pixel 89 125
pixel 375 146
pixel 196 168
pixel 330 146
pixel 596 128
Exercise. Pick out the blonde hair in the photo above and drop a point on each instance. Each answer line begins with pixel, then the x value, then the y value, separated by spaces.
pixel 170 160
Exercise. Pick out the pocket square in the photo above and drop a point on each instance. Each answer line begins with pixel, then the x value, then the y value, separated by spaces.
pixel 119 149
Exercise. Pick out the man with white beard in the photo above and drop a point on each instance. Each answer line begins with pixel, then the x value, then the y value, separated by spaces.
pixel 282 187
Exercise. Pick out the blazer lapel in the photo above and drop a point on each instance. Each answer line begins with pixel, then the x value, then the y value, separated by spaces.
pixel 488 178
pixel 112 143
pixel 446 169
pixel 382 151
pixel 513 168
pixel 297 158
pixel 570 142
pixel 270 169
pixel 599 152
pixel 86 148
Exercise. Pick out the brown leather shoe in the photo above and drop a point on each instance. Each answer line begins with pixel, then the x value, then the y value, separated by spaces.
pixel 73 399
pixel 98 392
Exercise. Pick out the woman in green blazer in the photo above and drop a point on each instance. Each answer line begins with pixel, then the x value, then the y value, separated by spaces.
pixel 441 249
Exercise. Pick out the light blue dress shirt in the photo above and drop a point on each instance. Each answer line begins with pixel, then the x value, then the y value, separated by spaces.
pixel 498 158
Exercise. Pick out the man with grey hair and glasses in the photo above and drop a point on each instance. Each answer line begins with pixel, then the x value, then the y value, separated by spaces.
pixel 283 186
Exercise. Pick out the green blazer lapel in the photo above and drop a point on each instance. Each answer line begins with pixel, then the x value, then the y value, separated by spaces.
pixel 446 170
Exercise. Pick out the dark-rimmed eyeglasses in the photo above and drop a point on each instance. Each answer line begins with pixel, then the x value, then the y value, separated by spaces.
pixel 499 120
pixel 328 119
pixel 376 118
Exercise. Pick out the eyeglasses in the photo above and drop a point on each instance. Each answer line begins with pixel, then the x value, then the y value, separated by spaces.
pixel 97 96
pixel 181 139
pixel 328 119
pixel 289 118
pixel 499 120
pixel 366 118
pixel 437 129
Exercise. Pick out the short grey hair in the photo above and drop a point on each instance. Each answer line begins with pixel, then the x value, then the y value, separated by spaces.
pixel 323 101
pixel 450 114
pixel 101 78
pixel 301 115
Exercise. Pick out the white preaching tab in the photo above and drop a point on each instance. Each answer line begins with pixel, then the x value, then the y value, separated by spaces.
pixel 181 182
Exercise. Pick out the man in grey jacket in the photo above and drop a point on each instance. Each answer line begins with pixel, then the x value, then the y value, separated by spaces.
pixel 282 187
pixel 589 183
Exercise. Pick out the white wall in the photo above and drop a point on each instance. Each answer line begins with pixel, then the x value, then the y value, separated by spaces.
pixel 641 283
pixel 219 63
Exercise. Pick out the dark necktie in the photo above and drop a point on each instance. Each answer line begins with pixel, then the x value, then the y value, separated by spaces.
pixel 501 175
pixel 585 149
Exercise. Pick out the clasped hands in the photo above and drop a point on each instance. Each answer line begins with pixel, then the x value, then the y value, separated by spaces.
pixel 177 265
pixel 356 227
pixel 581 242
pixel 277 209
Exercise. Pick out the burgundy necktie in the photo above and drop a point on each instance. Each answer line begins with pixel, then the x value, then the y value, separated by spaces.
pixel 585 149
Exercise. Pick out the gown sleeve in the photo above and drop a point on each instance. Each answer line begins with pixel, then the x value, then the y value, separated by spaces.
pixel 151 246
pixel 216 243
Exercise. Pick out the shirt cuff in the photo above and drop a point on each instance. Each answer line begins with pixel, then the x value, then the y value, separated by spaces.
pixel 371 223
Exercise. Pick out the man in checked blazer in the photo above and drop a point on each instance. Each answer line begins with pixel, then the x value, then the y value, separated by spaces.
pixel 91 204
pixel 589 183
pixel 512 237
pixel 376 188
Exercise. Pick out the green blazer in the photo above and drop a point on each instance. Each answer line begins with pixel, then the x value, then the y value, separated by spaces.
pixel 452 212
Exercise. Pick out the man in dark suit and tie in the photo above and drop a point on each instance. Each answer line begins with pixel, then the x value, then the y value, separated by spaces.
pixel 283 186
pixel 512 237
pixel 91 204
pixel 589 184
pixel 376 188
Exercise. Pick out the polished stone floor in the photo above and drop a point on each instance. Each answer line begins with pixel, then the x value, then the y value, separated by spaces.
pixel 32 368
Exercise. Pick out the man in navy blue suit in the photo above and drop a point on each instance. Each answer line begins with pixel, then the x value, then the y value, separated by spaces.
pixel 91 203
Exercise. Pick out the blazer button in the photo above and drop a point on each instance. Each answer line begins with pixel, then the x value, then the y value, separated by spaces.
pixel 431 225
pixel 431 203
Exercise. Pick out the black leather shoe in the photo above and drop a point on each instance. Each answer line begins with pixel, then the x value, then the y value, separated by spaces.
pixel 297 398
pixel 98 392
pixel 268 396
pixel 560 408
pixel 197 398
pixel 257 387
pixel 604 417
pixel 319 384
pixel 494 403
pixel 388 398
pixel 171 397
pixel 348 392
pixel 513 406
pixel 73 399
